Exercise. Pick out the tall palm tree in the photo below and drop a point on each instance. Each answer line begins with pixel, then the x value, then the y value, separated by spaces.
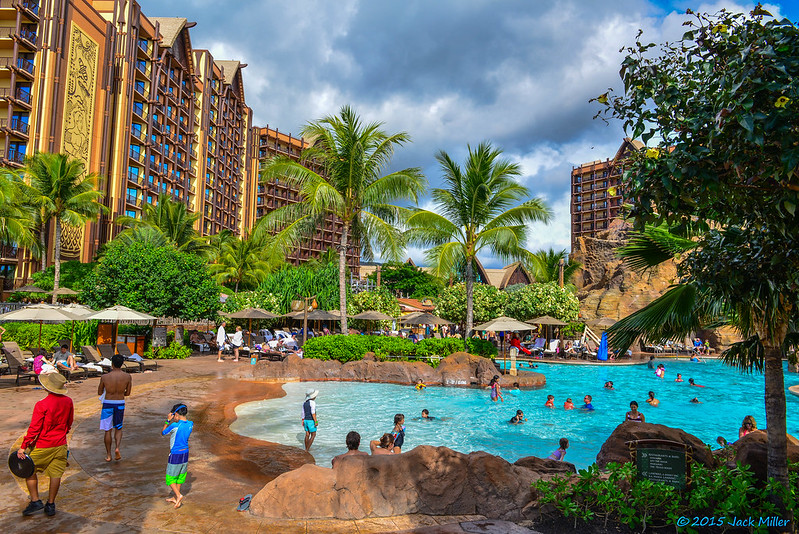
pixel 170 218
pixel 61 190
pixel 246 261
pixel 545 267
pixel 340 174
pixel 482 208
pixel 16 218
pixel 767 323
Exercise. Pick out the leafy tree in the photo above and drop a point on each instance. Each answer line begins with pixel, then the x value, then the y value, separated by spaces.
pixel 482 207
pixel 406 280
pixel 217 242
pixel 721 104
pixel 166 222
pixel 544 265
pixel 488 302
pixel 73 275
pixel 252 299
pixel 380 300
pixel 246 261
pixel 536 300
pixel 61 190
pixel 340 174
pixel 157 280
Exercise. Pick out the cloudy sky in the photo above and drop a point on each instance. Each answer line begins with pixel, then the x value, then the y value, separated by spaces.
pixel 518 73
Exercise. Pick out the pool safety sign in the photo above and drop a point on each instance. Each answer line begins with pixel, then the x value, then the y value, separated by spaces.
pixel 662 465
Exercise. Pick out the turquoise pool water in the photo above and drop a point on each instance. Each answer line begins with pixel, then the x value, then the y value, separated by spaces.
pixel 468 421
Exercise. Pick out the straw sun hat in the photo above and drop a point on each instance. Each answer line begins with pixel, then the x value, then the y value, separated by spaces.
pixel 311 394
pixel 54 383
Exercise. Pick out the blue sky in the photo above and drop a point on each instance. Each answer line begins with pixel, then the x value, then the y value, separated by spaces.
pixel 450 73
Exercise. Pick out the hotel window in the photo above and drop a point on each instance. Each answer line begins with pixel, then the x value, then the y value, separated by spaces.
pixel 135 129
pixel 140 86
pixel 163 187
pixel 150 179
pixel 149 199
pixel 138 108
pixel 130 213
pixel 132 193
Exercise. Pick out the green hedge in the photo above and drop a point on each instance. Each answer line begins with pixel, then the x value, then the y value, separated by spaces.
pixel 27 334
pixel 349 348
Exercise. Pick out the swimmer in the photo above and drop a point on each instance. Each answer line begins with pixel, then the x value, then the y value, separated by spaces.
pixel 695 359
pixel 634 414
pixel 550 401
pixel 660 372
pixel 679 378
pixel 652 401
pixel 691 382
pixel 426 415
pixel 518 419
pixel 609 385
pixel 420 385
pixel 696 400
pixel 560 452
pixel 568 405
pixel 651 363
pixel 495 390
pixel 748 426
pixel 721 441
pixel 588 407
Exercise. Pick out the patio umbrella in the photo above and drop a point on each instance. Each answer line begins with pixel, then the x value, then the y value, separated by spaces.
pixel 79 311
pixel 250 314
pixel 30 289
pixel 423 318
pixel 604 322
pixel 505 324
pixel 546 320
pixel 38 313
pixel 373 315
pixel 120 314
pixel 66 291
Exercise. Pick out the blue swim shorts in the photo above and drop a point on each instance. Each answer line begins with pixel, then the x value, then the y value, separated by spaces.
pixel 309 425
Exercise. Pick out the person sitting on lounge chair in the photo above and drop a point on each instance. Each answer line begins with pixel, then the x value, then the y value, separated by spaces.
pixel 65 359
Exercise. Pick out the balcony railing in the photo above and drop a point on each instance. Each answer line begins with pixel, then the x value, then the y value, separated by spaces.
pixel 28 35
pixel 137 155
pixel 134 177
pixel 30 5
pixel 23 94
pixel 15 155
pixel 26 65
pixel 132 200
pixel 18 125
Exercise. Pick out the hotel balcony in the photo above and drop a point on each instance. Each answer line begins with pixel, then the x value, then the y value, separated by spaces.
pixel 25 66
pixel 16 126
pixel 15 156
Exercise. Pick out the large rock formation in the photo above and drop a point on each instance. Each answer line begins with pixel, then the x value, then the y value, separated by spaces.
pixel 606 286
pixel 752 450
pixel 615 449
pixel 459 369
pixel 427 480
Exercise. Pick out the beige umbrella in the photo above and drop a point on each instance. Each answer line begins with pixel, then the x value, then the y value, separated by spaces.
pixel 80 312
pixel 546 320
pixel 505 324
pixel 423 318
pixel 66 291
pixel 372 315
pixel 120 314
pixel 38 313
pixel 604 322
pixel 30 289
pixel 252 313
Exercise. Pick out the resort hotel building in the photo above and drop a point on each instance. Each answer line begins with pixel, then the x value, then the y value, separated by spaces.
pixel 596 197
pixel 148 112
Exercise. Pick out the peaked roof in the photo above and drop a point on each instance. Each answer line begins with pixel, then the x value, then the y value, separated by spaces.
pixel 169 28
pixel 228 68
pixel 500 278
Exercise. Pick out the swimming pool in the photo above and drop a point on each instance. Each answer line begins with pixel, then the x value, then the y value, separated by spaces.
pixel 468 421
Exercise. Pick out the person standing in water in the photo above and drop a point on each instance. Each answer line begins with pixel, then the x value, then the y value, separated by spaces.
pixel 495 390
pixel 634 414
pixel 309 421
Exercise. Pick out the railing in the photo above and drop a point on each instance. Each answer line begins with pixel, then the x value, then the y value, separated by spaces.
pixel 144 45
pixel 137 155
pixel 26 65
pixel 30 5
pixel 7 251
pixel 134 177
pixel 16 156
pixel 19 125
pixel 28 35
pixel 130 199
pixel 23 94
pixel 143 67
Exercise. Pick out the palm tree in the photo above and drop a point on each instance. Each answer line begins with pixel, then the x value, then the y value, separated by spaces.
pixel 340 174
pixel 217 242
pixel 767 324
pixel 171 219
pixel 545 267
pixel 62 190
pixel 16 219
pixel 246 261
pixel 482 207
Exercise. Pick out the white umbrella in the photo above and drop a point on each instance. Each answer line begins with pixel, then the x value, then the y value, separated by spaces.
pixel 79 312
pixel 120 314
pixel 38 313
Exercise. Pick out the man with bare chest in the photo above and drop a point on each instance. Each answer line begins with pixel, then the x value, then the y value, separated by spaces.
pixel 113 389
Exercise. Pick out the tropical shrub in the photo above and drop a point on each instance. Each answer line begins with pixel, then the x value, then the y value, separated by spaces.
pixel 252 299
pixel 173 351
pixel 489 302
pixel 291 282
pixel 380 300
pixel 27 334
pixel 573 330
pixel 536 300
pixel 157 280
pixel 406 280
pixel 350 348
pixel 73 275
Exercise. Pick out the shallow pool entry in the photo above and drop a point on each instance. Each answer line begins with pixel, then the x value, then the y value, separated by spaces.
pixel 466 420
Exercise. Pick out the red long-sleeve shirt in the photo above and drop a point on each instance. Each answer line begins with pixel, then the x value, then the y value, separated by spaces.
pixel 51 421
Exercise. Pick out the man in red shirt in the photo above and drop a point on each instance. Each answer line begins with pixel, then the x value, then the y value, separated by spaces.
pixel 47 441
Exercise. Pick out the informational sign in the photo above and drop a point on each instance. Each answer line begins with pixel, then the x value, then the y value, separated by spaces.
pixel 662 465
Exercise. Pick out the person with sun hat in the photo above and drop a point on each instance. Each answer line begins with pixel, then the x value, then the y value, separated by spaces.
pixel 46 440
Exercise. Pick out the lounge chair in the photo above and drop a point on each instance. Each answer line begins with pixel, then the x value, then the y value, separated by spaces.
pixel 17 364
pixel 553 348
pixel 107 351
pixel 90 355
pixel 538 346
pixel 144 363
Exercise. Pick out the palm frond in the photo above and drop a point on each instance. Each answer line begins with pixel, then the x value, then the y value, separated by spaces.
pixel 653 246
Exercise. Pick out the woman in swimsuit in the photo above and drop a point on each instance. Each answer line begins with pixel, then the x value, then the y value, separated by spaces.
pixel 495 392
pixel 747 427
pixel 385 445
pixel 634 414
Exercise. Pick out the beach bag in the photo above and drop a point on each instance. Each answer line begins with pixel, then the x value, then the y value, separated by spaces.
pixel 37 364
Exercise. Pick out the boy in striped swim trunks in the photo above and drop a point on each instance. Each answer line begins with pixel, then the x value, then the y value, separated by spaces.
pixel 179 430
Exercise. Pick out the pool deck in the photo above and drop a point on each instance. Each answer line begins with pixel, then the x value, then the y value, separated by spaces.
pixel 128 496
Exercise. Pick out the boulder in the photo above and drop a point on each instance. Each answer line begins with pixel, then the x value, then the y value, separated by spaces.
pixel 427 480
pixel 393 372
pixel 546 466
pixel 615 449
pixel 752 450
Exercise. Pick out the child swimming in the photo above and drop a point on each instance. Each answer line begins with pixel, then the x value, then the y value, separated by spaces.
pixel 560 452
pixel 568 405
pixel 550 401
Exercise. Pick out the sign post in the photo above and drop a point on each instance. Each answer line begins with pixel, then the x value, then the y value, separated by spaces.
pixel 662 465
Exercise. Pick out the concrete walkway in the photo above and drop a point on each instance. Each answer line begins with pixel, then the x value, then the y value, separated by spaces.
pixel 128 496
